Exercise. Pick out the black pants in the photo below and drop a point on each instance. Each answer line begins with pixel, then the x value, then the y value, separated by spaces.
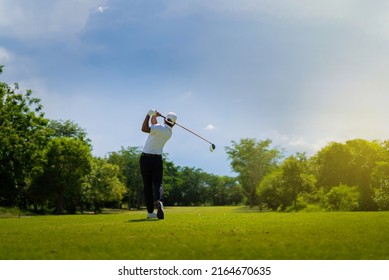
pixel 151 168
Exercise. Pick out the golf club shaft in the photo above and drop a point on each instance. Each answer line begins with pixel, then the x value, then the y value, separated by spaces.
pixel 189 131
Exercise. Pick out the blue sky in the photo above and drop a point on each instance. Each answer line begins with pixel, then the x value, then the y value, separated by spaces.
pixel 302 73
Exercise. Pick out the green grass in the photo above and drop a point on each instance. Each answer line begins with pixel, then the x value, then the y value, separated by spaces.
pixel 198 233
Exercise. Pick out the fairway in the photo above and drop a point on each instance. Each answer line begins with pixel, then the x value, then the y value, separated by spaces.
pixel 198 233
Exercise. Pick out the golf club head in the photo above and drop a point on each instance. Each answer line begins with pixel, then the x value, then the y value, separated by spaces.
pixel 212 148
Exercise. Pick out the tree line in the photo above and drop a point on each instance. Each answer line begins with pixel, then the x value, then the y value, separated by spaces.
pixel 48 166
pixel 350 176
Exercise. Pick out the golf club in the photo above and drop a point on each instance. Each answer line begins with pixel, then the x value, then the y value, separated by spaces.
pixel 211 148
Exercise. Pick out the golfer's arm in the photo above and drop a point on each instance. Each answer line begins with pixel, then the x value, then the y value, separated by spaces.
pixel 145 125
pixel 154 119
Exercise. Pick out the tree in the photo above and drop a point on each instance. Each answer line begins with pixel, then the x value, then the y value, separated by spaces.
pixel 333 163
pixel 171 178
pixel 350 164
pixel 68 129
pixel 128 161
pixel 102 185
pixel 252 160
pixel 192 186
pixel 281 188
pixel 269 189
pixel 23 134
pixel 366 155
pixel 223 190
pixel 235 193
pixel 295 179
pixel 68 161
pixel 380 185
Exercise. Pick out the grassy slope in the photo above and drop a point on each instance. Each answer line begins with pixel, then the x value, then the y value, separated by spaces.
pixel 198 233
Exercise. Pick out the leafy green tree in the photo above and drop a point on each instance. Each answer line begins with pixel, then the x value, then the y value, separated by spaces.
pixel 23 134
pixel 128 161
pixel 39 193
pixel 235 192
pixel 171 183
pixel 351 164
pixel 252 160
pixel 192 185
pixel 281 188
pixel 68 161
pixel 269 189
pixel 295 179
pixel 102 185
pixel 68 129
pixel 380 184
pixel 366 155
pixel 333 165
pixel 222 190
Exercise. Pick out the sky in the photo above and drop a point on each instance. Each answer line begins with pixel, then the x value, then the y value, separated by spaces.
pixel 302 73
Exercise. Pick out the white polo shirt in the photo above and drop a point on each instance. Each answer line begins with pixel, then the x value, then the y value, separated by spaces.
pixel 158 136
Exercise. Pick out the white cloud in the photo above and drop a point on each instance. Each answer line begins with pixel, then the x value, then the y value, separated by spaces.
pixel 210 127
pixel 101 9
pixel 297 143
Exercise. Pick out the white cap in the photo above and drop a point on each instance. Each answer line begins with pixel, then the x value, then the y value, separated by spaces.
pixel 171 118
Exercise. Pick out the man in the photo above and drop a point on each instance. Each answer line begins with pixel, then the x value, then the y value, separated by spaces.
pixel 151 165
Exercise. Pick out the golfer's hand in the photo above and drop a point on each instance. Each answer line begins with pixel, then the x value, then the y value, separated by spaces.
pixel 152 113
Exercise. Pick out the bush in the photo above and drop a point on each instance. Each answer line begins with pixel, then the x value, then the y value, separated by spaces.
pixel 381 197
pixel 12 212
pixel 342 198
pixel 313 208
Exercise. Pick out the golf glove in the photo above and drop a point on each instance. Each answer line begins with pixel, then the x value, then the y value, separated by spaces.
pixel 152 113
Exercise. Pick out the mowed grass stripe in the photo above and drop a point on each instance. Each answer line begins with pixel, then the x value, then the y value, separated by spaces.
pixel 198 233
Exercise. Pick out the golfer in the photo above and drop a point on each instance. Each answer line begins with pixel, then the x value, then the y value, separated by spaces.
pixel 151 165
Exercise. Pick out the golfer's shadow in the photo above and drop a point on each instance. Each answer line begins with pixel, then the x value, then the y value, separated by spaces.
pixel 142 220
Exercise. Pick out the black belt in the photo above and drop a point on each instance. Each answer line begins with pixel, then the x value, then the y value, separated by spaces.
pixel 151 155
